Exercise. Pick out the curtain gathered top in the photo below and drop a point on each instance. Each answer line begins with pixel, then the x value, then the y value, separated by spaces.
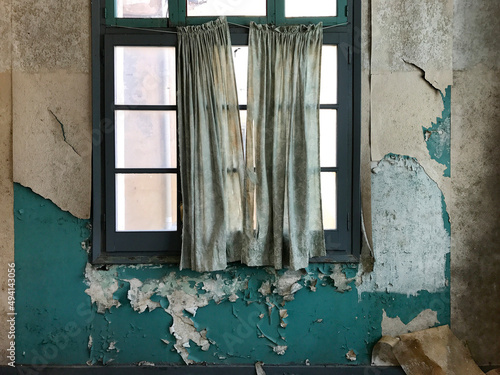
pixel 263 209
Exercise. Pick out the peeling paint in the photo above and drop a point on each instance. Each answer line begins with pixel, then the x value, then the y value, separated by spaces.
pixel 407 207
pixel 182 299
pixel 280 349
pixel 395 327
pixel 288 284
pixel 438 136
pixel 340 280
pixel 102 285
pixel 139 295
pixel 351 355
pixel 194 317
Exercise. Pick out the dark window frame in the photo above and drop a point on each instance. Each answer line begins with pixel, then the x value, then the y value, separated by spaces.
pixel 110 247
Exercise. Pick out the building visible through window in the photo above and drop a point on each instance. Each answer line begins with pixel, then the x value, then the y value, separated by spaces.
pixel 137 208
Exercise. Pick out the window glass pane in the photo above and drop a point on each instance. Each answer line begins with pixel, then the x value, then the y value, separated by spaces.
pixel 329 199
pixel 145 75
pixel 145 139
pixel 240 57
pixel 310 8
pixel 328 137
pixel 146 202
pixel 226 8
pixel 328 75
pixel 141 8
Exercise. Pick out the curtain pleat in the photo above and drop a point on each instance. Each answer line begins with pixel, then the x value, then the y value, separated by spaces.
pixel 267 212
pixel 283 220
pixel 210 148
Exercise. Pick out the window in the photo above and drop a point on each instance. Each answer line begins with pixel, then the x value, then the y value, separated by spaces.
pixel 137 206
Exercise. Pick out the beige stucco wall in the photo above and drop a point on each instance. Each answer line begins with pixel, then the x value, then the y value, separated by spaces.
pixel 6 186
pixel 475 204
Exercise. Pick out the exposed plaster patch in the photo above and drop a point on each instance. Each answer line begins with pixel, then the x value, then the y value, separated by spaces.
pixel 340 280
pixel 280 349
pixel 283 315
pixel 183 328
pixel 402 103
pixel 395 327
pixel 102 285
pixel 410 239
pixel 351 355
pixel 185 298
pixel 265 288
pixel 219 289
pixel 139 295
pixel 287 285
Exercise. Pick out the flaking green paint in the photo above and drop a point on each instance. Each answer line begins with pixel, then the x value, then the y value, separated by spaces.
pixel 322 326
pixel 438 136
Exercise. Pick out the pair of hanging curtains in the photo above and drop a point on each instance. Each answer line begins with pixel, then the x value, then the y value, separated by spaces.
pixel 262 208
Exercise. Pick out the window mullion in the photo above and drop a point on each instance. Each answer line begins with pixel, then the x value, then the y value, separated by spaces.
pixel 177 12
pixel 278 16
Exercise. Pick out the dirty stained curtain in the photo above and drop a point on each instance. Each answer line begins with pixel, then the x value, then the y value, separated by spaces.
pixel 269 211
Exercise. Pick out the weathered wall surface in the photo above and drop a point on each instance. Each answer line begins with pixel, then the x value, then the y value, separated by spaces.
pixel 51 101
pixel 6 188
pixel 71 313
pixel 411 68
pixel 475 260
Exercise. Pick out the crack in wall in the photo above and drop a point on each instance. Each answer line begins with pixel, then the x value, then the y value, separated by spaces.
pixel 433 84
pixel 64 133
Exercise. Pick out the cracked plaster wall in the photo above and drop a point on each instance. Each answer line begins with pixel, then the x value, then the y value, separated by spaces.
pixel 132 314
pixel 51 78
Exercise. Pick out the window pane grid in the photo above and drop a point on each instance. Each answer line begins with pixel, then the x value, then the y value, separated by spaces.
pixel 329 103
pixel 141 8
pixel 242 8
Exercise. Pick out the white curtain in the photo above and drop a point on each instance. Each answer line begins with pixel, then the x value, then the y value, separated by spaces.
pixel 273 218
pixel 211 151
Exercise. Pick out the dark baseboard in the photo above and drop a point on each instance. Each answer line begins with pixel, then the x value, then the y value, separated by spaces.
pixel 201 370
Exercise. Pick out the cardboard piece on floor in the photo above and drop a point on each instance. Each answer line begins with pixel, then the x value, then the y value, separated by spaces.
pixel 435 351
pixel 494 372
pixel 382 354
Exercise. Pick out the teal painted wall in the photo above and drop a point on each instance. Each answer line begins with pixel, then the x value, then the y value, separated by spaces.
pixel 58 324
pixel 56 317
